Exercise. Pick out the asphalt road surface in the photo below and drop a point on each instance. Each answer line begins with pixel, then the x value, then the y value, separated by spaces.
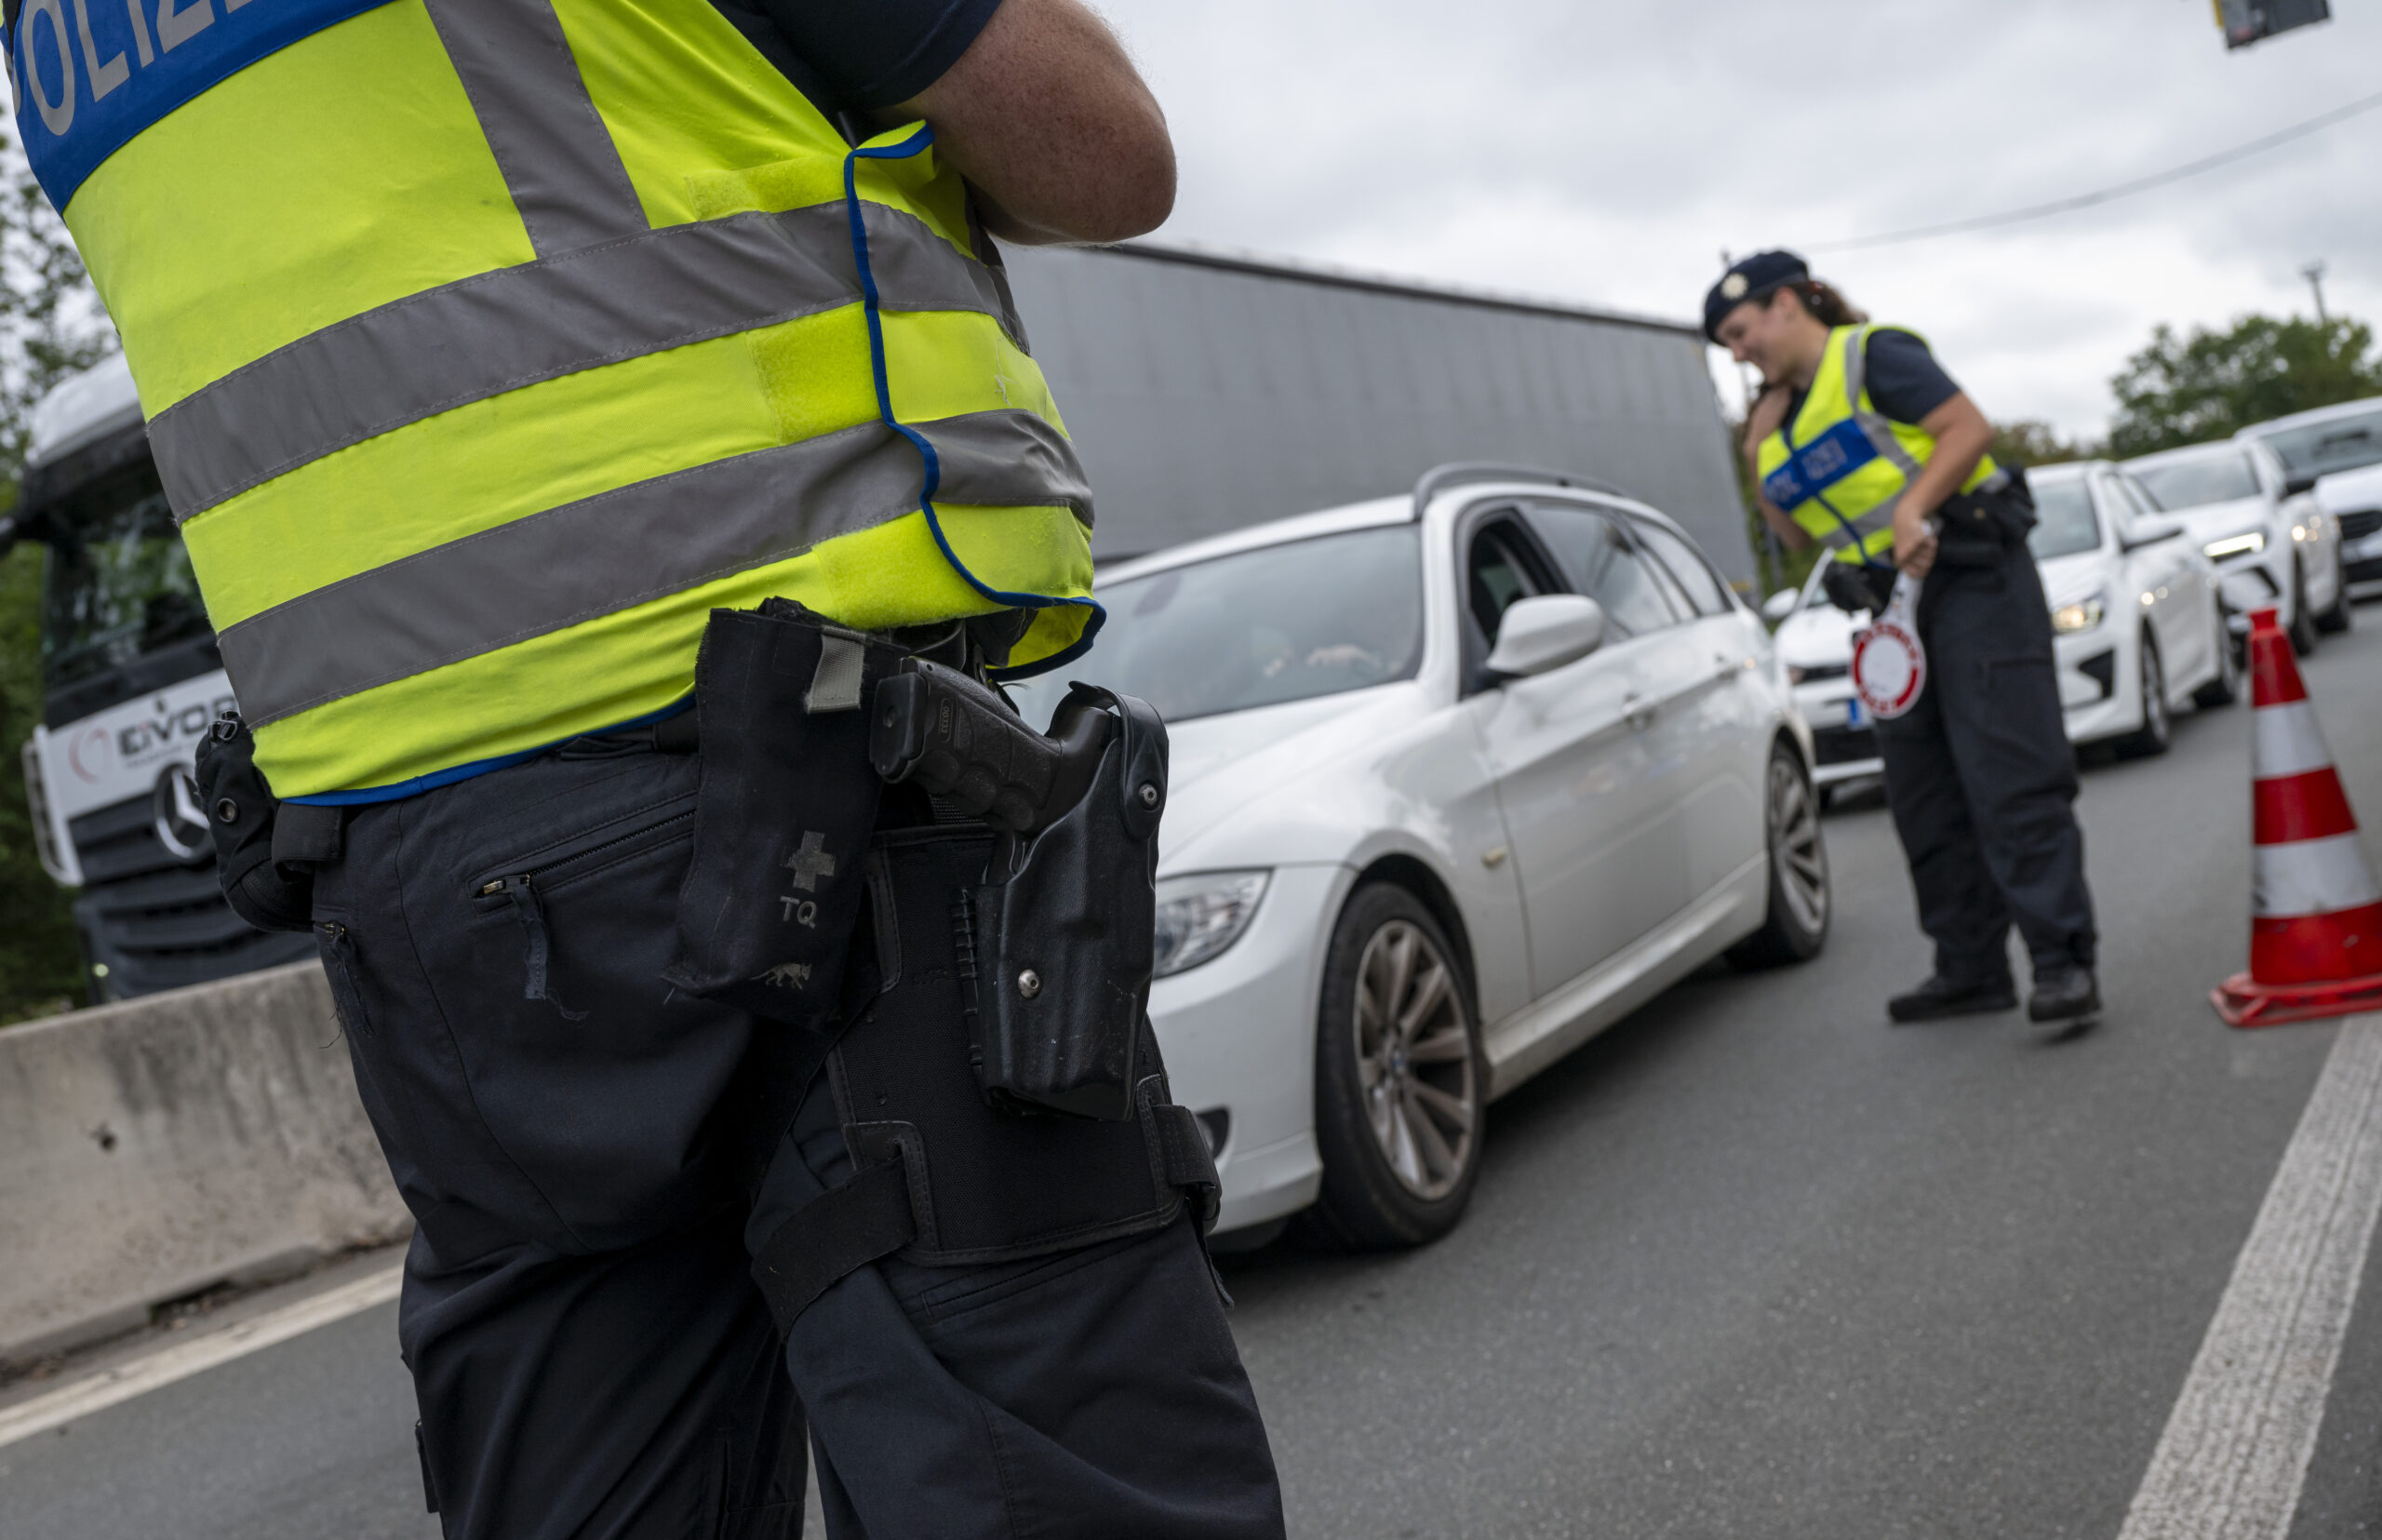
pixel 1753 1263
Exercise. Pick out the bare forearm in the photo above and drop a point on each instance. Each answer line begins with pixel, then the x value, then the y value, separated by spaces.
pixel 1049 121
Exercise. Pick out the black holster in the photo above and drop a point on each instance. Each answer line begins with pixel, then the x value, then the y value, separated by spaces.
pixel 1979 528
pixel 1067 926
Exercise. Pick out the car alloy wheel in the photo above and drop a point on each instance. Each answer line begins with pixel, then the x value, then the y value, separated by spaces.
pixel 2303 623
pixel 1401 1085
pixel 2226 688
pixel 1414 1055
pixel 2157 729
pixel 1795 925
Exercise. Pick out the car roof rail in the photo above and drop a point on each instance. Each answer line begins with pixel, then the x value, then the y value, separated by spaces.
pixel 1438 478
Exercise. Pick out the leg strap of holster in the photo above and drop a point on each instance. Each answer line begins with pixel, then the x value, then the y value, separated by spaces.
pixel 848 1228
pixel 841 1230
pixel 1184 1159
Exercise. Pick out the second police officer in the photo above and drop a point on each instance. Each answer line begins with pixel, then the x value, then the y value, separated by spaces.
pixel 1861 443
pixel 498 355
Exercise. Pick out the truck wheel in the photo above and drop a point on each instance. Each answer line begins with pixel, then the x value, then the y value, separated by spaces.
pixel 2158 728
pixel 1400 1082
pixel 1795 928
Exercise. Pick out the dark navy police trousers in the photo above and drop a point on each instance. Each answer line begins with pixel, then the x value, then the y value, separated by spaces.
pixel 1981 779
pixel 590 1354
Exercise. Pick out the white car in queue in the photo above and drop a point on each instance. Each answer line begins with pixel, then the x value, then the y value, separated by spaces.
pixel 2138 625
pixel 2273 548
pixel 2336 454
pixel 1814 642
pixel 1458 779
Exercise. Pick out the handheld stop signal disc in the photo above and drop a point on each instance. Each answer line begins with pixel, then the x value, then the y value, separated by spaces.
pixel 1889 666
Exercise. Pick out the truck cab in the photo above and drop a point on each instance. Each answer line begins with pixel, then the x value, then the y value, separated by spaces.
pixel 132 679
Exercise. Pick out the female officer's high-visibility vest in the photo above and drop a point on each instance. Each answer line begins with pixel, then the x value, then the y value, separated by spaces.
pixel 1839 466
pixel 486 345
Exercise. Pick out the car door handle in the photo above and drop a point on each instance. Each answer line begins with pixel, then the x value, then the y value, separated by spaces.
pixel 1638 712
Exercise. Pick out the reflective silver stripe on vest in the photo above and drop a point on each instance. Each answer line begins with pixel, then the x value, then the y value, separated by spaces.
pixel 627 547
pixel 1836 536
pixel 479 337
pixel 1875 426
pixel 549 141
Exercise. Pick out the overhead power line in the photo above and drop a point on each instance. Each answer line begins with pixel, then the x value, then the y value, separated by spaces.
pixel 2107 194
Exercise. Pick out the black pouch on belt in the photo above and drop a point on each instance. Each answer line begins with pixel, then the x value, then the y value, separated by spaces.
pixel 783 811
pixel 263 850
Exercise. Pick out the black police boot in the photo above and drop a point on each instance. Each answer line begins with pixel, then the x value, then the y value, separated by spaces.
pixel 1940 997
pixel 2063 995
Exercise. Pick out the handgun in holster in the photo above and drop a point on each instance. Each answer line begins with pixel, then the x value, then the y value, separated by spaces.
pixel 1064 921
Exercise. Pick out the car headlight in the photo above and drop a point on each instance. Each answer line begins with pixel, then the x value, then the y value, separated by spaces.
pixel 2083 615
pixel 2236 545
pixel 1201 915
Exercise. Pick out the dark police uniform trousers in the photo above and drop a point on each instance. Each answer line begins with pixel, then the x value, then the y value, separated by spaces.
pixel 588 1168
pixel 1981 779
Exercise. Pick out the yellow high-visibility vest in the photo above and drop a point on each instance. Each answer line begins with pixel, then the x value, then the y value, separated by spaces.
pixel 1840 465
pixel 488 346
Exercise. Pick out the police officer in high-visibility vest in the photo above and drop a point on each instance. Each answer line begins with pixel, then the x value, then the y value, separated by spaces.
pixel 1861 443
pixel 501 357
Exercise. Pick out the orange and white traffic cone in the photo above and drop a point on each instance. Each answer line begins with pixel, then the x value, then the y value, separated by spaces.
pixel 2316 911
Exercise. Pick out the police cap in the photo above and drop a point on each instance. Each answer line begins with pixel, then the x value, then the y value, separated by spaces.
pixel 1757 278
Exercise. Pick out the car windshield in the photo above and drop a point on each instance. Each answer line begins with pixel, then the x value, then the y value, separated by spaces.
pixel 1282 623
pixel 118 583
pixel 2320 448
pixel 2191 483
pixel 2064 521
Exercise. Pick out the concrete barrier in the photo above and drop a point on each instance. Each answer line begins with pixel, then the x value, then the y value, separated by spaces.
pixel 157 1147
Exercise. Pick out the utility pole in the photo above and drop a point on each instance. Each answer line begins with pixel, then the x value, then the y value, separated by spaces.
pixel 2314 274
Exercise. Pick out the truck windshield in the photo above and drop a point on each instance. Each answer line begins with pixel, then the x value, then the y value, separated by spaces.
pixel 1283 623
pixel 2320 448
pixel 2194 483
pixel 117 583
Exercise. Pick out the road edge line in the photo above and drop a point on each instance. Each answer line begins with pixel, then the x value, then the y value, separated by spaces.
pixel 153 1370
pixel 2234 1455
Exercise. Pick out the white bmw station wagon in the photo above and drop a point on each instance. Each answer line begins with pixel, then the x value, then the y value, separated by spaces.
pixel 1459 779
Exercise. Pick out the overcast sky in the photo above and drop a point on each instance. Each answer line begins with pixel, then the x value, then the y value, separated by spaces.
pixel 1607 154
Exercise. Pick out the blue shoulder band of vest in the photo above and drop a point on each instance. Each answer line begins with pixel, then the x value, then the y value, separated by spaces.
pixel 903 150
pixel 1818 465
pixel 90 74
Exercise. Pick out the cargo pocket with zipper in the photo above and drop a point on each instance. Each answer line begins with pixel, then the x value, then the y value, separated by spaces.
pixel 525 883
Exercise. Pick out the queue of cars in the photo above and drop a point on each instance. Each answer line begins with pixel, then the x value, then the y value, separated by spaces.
pixel 1459 779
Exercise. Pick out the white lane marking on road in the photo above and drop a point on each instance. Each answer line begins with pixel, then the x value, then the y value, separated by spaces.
pixel 138 1377
pixel 2235 1453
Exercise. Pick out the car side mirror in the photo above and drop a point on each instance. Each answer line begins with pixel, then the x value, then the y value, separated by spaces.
pixel 2151 531
pixel 1545 632
pixel 1780 605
